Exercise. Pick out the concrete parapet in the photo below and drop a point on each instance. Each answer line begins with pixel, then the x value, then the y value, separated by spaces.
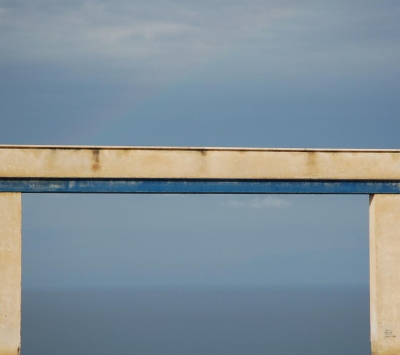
pixel 197 163
pixel 207 170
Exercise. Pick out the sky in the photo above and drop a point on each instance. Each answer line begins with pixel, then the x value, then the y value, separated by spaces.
pixel 211 73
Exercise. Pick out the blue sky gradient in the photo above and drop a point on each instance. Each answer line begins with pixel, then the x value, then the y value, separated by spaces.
pixel 221 73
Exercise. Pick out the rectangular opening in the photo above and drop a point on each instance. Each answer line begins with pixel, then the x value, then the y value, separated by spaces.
pixel 185 274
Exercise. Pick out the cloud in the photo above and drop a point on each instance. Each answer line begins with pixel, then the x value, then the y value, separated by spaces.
pixel 133 37
pixel 156 41
pixel 259 202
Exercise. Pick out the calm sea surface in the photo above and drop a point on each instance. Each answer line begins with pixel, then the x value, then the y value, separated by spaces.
pixel 198 321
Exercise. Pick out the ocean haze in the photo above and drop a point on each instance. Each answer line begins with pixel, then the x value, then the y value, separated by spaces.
pixel 276 320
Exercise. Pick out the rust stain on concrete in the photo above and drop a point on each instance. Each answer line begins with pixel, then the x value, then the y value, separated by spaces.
pixel 96 159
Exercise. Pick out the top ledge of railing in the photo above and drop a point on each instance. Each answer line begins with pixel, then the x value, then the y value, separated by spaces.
pixel 118 162
pixel 250 149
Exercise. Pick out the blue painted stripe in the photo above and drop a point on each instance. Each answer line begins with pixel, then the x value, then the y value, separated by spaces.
pixel 162 186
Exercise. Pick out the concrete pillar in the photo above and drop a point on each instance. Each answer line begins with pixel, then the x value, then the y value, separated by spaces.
pixel 385 274
pixel 10 273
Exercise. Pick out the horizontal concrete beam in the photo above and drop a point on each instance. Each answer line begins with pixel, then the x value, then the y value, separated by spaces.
pixel 192 186
pixel 197 163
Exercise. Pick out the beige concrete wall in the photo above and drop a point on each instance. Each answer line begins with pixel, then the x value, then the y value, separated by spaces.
pixel 385 274
pixel 208 163
pixel 10 273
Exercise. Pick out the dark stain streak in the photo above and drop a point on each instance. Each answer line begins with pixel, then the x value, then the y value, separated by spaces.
pixel 96 159
pixel 203 152
pixel 311 160
pixel 53 150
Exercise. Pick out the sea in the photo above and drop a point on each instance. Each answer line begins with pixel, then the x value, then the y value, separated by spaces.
pixel 230 320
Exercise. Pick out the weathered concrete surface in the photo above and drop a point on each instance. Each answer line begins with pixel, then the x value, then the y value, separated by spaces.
pixel 210 163
pixel 385 274
pixel 10 273
pixel 204 163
